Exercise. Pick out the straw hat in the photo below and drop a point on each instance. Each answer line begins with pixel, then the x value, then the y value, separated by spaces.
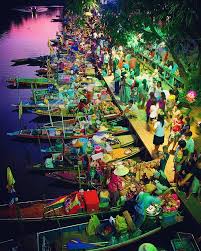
pixel 121 170
pixel 147 247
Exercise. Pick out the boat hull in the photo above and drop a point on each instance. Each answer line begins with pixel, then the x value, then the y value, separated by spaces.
pixel 33 211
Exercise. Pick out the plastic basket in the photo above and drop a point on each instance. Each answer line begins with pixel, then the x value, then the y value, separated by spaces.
pixel 184 242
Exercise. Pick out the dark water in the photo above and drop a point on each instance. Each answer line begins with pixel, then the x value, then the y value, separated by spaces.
pixel 25 36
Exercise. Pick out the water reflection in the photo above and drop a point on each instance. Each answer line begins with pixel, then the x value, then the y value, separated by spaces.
pixel 22 36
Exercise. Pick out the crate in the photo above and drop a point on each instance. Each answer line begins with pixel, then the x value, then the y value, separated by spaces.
pixel 184 242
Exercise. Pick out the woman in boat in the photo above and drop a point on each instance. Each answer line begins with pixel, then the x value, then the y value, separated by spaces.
pixel 116 183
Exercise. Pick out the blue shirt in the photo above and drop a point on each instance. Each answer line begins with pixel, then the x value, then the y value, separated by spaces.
pixel 144 201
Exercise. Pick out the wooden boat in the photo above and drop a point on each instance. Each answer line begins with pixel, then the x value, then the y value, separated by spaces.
pixel 114 141
pixel 57 20
pixel 56 112
pixel 34 60
pixel 76 237
pixel 40 104
pixel 70 174
pixel 42 71
pixel 52 133
pixel 50 210
pixel 39 82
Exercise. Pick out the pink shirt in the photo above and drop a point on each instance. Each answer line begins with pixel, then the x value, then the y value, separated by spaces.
pixel 115 183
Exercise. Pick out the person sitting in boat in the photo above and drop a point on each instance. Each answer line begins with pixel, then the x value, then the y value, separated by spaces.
pixel 49 163
pixel 143 201
pixel 34 9
pixel 116 183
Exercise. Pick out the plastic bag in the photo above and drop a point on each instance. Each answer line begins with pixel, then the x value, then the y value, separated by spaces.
pixel 120 224
pixel 93 224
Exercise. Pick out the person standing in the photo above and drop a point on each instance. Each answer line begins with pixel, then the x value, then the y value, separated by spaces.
pixel 171 100
pixel 159 133
pixel 117 79
pixel 180 156
pixel 148 105
pixel 158 90
pixel 174 136
pixel 190 144
pixel 162 102
pixel 125 94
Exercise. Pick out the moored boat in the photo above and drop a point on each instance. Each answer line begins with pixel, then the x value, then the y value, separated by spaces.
pixel 104 235
pixel 39 82
pixel 66 207
pixel 64 162
pixel 114 141
pixel 52 133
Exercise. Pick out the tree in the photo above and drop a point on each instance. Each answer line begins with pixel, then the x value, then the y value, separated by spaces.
pixel 175 22
pixel 80 6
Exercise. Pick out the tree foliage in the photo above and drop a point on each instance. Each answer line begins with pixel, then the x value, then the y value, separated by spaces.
pixel 80 6
pixel 175 22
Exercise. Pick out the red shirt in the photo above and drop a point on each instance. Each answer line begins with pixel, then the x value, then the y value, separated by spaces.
pixel 177 125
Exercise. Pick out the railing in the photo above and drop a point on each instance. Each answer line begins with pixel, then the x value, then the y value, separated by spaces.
pixel 156 65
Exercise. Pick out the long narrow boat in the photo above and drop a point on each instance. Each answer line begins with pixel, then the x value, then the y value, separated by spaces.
pixel 40 104
pixel 68 174
pixel 51 209
pixel 61 166
pixel 105 236
pixel 52 133
pixel 29 81
pixel 114 141
pixel 56 112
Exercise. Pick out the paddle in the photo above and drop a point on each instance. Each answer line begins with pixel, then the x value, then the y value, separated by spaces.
pixel 78 244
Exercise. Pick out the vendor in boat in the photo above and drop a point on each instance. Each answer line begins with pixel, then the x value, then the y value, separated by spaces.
pixel 116 183
pixel 143 201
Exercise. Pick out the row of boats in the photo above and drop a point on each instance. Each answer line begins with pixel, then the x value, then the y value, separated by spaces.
pixel 84 150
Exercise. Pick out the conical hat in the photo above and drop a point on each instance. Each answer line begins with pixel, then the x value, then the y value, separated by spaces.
pixel 121 170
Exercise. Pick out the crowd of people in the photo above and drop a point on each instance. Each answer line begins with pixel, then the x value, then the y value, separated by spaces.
pixel 139 88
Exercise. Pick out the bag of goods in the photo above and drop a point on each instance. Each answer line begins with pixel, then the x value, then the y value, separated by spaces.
pixel 73 203
pixel 92 226
pixel 120 224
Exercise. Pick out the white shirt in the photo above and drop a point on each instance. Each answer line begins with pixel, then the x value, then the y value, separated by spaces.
pixel 153 111
pixel 160 130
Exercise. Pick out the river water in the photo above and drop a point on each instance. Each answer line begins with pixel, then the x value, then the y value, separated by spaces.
pixel 24 36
